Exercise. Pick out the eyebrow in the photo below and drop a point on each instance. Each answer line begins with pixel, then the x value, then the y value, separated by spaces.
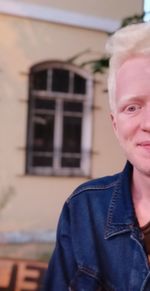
pixel 132 97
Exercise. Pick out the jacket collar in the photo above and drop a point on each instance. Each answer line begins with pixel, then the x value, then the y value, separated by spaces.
pixel 121 215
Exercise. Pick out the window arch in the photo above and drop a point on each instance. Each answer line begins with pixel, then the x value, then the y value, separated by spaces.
pixel 59 120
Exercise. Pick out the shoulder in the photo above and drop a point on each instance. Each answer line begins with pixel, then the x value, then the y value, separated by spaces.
pixel 94 186
pixel 89 202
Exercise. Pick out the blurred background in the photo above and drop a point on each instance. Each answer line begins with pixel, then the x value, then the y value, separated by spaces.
pixel 54 116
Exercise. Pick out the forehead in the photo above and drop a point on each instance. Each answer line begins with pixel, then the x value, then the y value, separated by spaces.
pixel 135 65
pixel 133 77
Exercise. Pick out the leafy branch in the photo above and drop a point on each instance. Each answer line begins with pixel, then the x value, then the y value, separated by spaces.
pixel 99 65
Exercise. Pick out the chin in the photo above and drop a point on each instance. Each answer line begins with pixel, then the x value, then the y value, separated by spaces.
pixel 145 171
pixel 142 168
pixel 141 165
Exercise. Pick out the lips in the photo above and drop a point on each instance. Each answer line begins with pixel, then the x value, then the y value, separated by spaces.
pixel 144 144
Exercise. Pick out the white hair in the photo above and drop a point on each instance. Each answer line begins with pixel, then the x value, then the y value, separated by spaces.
pixel 132 40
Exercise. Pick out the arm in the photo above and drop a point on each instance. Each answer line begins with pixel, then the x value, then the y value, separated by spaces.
pixel 62 266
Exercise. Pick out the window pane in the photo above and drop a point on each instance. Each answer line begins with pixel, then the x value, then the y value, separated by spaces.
pixel 43 132
pixel 70 162
pixel 60 80
pixel 79 85
pixel 44 104
pixel 41 161
pixel 71 134
pixel 40 80
pixel 73 106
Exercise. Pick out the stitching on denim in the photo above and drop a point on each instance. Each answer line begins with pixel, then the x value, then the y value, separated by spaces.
pixel 94 275
pixel 88 188
pixel 109 230
pixel 89 272
pixel 86 271
pixel 120 230
pixel 141 248
pixel 145 282
pixel 115 196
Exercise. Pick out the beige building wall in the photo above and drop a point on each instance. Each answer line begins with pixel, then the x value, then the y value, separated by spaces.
pixel 33 203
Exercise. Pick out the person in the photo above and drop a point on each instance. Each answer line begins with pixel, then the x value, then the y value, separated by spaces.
pixel 103 236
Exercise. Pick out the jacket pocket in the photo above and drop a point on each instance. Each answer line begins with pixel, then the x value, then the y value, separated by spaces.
pixel 85 280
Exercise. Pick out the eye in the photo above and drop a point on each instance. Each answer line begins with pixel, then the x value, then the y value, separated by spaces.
pixel 132 108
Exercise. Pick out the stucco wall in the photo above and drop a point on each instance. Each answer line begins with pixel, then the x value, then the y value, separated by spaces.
pixel 34 203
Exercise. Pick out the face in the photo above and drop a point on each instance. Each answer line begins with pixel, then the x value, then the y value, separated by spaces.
pixel 131 117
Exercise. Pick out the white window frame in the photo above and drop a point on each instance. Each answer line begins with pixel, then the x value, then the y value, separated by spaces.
pixel 86 138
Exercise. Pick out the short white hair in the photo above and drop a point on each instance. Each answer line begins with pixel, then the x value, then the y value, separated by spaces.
pixel 132 40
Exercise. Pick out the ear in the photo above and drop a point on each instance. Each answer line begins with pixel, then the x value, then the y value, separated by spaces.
pixel 113 119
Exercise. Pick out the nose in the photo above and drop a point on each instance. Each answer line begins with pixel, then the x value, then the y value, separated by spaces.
pixel 145 120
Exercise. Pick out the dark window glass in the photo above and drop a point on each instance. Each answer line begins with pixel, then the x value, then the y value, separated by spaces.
pixel 40 80
pixel 70 162
pixel 44 104
pixel 73 106
pixel 41 161
pixel 46 107
pixel 79 85
pixel 60 80
pixel 71 134
pixel 43 134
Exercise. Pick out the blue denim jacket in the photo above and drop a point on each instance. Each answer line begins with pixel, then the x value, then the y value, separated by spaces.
pixel 99 244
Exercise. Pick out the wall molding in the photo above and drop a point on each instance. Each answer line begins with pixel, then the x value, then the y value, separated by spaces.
pixel 47 13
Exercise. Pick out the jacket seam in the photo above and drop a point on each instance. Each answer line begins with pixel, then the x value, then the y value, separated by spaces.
pixel 88 271
pixel 88 188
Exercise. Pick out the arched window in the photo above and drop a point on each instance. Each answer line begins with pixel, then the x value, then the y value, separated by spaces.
pixel 59 120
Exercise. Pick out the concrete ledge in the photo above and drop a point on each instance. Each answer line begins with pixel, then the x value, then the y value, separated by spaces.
pixel 42 236
pixel 47 13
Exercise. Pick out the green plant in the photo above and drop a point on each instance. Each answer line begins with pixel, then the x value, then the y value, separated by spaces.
pixel 99 65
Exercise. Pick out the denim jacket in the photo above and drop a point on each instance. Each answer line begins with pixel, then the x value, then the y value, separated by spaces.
pixel 99 243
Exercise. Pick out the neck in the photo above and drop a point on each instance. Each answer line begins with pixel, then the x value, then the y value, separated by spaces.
pixel 141 196
pixel 141 185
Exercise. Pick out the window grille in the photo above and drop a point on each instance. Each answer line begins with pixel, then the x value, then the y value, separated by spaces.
pixel 59 120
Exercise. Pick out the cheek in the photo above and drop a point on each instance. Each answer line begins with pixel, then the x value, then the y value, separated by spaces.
pixel 124 127
pixel 123 131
